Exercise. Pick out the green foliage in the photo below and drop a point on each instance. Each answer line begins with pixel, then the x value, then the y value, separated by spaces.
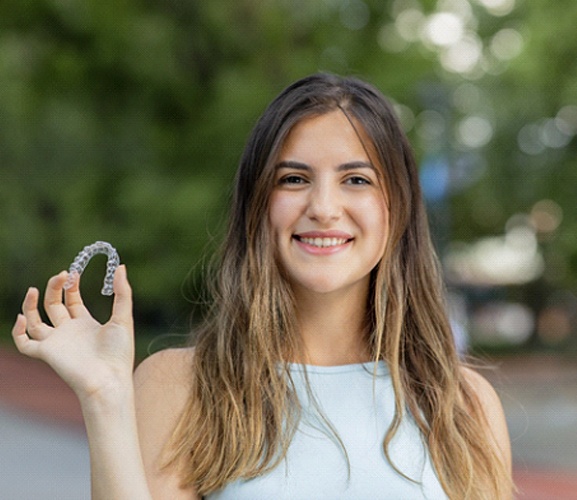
pixel 123 121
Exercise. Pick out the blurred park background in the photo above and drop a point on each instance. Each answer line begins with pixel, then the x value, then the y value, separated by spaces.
pixel 124 120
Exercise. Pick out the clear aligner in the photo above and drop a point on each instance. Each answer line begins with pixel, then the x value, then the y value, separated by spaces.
pixel 82 259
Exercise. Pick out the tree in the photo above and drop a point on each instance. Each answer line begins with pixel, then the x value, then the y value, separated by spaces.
pixel 124 121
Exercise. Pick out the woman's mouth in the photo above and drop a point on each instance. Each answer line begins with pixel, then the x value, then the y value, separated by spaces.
pixel 322 242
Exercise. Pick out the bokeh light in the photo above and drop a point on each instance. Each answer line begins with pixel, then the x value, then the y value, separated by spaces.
pixel 443 29
pixel 409 24
pixel 511 259
pixel 498 7
pixel 529 139
pixel 506 44
pixel 463 56
pixel 546 216
pixel 354 14
pixel 566 119
pixel 474 131
pixel 496 322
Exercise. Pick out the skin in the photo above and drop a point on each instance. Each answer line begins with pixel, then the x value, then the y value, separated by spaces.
pixel 494 414
pixel 130 418
pixel 326 186
pixel 96 362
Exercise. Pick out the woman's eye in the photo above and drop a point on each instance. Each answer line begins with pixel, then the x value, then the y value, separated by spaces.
pixel 358 181
pixel 292 179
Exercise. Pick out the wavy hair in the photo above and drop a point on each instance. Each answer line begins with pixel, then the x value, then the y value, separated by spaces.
pixel 243 411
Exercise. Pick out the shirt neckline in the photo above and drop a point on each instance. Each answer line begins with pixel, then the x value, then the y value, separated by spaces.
pixel 367 367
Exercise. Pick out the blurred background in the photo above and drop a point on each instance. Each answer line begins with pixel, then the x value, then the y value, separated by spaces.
pixel 124 121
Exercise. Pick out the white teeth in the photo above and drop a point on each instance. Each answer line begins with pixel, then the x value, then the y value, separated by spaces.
pixel 324 242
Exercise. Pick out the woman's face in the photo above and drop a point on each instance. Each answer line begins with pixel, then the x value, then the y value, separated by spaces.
pixel 328 213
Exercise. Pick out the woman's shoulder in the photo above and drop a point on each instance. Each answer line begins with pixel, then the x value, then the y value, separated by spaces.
pixel 169 365
pixel 481 387
pixel 165 378
pixel 486 394
pixel 162 384
pixel 492 409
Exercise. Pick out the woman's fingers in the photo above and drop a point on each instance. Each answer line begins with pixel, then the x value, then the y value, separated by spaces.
pixel 24 344
pixel 55 308
pixel 32 320
pixel 122 306
pixel 73 299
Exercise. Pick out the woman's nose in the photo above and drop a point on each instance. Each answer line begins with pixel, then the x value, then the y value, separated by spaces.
pixel 325 203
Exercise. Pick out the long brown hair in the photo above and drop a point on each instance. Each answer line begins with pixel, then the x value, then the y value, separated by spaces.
pixel 243 411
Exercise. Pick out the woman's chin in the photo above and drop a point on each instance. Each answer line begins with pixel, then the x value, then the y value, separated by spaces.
pixel 325 287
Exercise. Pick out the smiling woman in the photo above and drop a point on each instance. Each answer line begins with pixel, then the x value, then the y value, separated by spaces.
pixel 327 211
pixel 326 368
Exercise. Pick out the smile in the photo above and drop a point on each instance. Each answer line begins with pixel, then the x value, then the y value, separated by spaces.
pixel 323 242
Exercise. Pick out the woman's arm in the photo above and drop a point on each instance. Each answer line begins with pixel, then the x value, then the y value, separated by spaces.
pixel 493 410
pixel 117 469
pixel 97 362
pixel 162 384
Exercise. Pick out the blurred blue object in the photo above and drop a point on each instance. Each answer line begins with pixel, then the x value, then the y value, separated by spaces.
pixel 435 179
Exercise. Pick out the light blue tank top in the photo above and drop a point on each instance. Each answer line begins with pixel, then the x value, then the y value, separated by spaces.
pixel 315 467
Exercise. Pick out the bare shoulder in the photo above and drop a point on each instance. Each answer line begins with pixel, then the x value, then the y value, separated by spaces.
pixel 170 366
pixel 493 410
pixel 162 389
pixel 483 389
pixel 162 386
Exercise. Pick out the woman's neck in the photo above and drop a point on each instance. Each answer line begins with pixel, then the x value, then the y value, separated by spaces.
pixel 333 327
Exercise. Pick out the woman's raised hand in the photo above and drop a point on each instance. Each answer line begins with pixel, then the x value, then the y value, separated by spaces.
pixel 90 357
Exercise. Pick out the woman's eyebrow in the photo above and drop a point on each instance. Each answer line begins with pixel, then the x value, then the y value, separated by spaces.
pixel 297 165
pixel 354 165
pixel 293 165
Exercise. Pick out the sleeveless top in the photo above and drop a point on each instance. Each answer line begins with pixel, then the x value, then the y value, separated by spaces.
pixel 360 408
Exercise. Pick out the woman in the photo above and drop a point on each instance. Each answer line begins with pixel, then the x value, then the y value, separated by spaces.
pixel 326 368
